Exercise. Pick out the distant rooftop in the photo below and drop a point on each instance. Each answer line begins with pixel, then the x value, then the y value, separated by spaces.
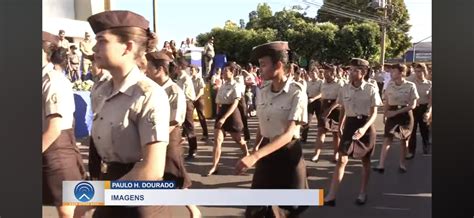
pixel 422 46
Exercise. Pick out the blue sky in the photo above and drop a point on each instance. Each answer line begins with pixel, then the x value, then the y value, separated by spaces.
pixel 179 19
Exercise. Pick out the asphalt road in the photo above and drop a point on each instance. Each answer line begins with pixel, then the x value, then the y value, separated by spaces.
pixel 391 195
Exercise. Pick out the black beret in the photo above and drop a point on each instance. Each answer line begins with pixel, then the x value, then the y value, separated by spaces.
pixel 158 58
pixel 327 66
pixel 359 62
pixel 114 19
pixel 268 49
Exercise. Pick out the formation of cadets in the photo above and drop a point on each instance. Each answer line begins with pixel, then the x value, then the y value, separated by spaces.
pixel 139 114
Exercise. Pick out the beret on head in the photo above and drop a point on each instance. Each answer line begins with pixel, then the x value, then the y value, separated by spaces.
pixel 182 62
pixel 327 66
pixel 268 49
pixel 400 67
pixel 387 66
pixel 114 19
pixel 158 58
pixel 359 62
pixel 48 37
pixel 421 65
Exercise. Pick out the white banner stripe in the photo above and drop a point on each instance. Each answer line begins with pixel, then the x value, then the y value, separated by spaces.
pixel 214 197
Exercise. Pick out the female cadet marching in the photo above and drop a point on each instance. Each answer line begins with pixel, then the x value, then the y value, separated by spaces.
pixel 330 111
pixel 228 116
pixel 422 110
pixel 400 99
pixel 158 68
pixel 282 108
pixel 359 100
pixel 131 124
pixel 242 107
pixel 185 82
pixel 61 158
pixel 314 100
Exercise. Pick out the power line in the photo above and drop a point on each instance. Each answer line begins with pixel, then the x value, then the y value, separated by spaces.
pixel 344 13
pixel 337 11
pixel 351 9
pixel 377 20
pixel 345 9
pixel 351 16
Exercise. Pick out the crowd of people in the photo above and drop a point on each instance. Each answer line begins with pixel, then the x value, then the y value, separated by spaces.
pixel 143 101
pixel 79 63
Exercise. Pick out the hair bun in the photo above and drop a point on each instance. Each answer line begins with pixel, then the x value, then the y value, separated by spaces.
pixel 152 41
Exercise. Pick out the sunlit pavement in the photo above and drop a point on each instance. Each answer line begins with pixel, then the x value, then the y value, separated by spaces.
pixel 390 195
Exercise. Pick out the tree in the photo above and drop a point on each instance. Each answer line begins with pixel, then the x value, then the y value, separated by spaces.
pixel 345 7
pixel 236 43
pixel 398 40
pixel 259 17
pixel 313 41
pixel 357 40
pixel 307 38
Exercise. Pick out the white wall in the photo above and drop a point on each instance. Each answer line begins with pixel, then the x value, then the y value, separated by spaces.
pixel 59 8
pixel 70 15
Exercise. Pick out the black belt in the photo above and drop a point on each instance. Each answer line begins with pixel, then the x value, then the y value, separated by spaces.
pixel 396 107
pixel 329 100
pixel 359 117
pixel 268 139
pixel 106 167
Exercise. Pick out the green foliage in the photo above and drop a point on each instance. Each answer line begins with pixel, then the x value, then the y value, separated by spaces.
pixel 237 43
pixel 335 41
pixel 398 41
pixel 357 40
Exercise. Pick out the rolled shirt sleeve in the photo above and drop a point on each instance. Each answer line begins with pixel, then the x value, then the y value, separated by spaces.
pixel 299 108
pixel 153 121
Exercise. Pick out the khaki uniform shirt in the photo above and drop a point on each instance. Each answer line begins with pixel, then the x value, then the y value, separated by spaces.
pixel 186 84
pixel 274 110
pixel 198 84
pixel 130 118
pixel 401 95
pixel 100 81
pixel 228 92
pixel 57 97
pixel 177 102
pixel 240 84
pixel 303 83
pixel 64 43
pixel 209 50
pixel 74 61
pixel 358 101
pixel 314 87
pixel 86 49
pixel 374 82
pixel 329 91
pixel 423 88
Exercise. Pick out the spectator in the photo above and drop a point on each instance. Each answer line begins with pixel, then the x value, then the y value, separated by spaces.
pixel 63 42
pixel 85 47
pixel 173 48
pixel 73 65
pixel 208 56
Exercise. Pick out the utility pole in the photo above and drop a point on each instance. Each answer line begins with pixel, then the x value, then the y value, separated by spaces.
pixel 155 18
pixel 106 5
pixel 383 26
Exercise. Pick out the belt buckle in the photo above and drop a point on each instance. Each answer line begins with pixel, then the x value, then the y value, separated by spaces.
pixel 103 167
pixel 359 117
pixel 399 107
pixel 329 101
